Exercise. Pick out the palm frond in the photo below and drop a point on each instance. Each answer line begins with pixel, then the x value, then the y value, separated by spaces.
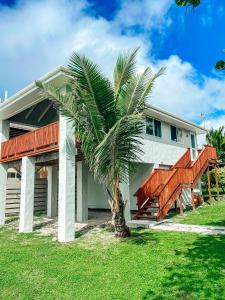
pixel 95 92
pixel 66 102
pixel 120 147
pixel 124 70
pixel 149 85
pixel 129 100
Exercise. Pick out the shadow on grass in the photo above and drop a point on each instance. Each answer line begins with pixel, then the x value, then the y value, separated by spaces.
pixel 199 272
pixel 11 219
pixel 84 231
pixel 140 236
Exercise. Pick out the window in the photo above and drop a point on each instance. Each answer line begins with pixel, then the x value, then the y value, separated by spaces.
pixel 176 134
pixel 153 127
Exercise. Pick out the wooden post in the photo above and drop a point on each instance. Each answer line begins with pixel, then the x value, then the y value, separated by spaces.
pixel 181 204
pixel 209 187
pixel 193 199
pixel 217 184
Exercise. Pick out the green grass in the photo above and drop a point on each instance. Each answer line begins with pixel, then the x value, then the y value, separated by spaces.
pixel 205 215
pixel 150 265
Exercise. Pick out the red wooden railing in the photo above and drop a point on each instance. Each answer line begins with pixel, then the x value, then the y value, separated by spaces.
pixel 42 140
pixel 151 184
pixel 181 175
pixel 184 160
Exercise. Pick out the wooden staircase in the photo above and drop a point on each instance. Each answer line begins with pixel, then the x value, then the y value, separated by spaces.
pixel 161 189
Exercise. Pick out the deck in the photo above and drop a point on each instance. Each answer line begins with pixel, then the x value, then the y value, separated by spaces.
pixel 42 140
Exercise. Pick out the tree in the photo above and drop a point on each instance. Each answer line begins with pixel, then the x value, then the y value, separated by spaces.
pixel 193 3
pixel 221 179
pixel 220 65
pixel 216 138
pixel 108 120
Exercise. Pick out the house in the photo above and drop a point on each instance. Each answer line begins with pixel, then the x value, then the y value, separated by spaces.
pixel 39 141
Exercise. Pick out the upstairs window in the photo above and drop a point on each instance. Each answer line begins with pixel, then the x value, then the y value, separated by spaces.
pixel 176 134
pixel 153 127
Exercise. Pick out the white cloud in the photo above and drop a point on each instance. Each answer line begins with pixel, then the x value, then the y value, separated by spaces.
pixel 38 35
pixel 148 14
pixel 186 92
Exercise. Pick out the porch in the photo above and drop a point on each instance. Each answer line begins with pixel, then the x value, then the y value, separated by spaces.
pixel 69 184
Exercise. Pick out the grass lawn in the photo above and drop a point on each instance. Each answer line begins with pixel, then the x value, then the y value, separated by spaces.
pixel 205 215
pixel 150 265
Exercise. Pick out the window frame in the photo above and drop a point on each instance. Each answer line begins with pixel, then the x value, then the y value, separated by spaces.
pixel 153 127
pixel 177 135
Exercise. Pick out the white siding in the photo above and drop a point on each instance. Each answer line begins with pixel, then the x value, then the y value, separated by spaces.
pixel 163 150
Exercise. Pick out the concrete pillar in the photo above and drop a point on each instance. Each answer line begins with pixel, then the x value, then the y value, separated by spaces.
pixel 27 195
pixel 66 204
pixel 52 191
pixel 4 135
pixel 125 190
pixel 82 192
pixel 3 183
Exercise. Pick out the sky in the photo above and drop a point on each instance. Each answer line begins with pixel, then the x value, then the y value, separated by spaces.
pixel 39 35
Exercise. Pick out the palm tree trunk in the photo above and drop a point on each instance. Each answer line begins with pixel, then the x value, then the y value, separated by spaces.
pixel 118 218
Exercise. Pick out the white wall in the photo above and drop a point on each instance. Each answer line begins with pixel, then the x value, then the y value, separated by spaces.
pixel 163 150
pixel 137 179
pixel 98 198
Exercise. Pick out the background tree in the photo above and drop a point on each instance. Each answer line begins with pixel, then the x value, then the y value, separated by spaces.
pixel 216 138
pixel 220 65
pixel 108 120
pixel 221 179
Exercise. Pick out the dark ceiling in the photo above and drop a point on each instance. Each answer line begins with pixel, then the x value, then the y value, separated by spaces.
pixel 39 115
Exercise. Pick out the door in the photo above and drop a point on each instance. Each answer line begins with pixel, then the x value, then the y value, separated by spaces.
pixel 193 146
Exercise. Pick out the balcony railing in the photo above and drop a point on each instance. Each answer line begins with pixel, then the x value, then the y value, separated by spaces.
pixel 42 140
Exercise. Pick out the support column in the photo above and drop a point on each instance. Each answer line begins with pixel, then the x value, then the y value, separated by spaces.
pixel 181 204
pixel 209 186
pixel 52 191
pixel 193 199
pixel 66 204
pixel 3 183
pixel 125 190
pixel 4 135
pixel 217 184
pixel 27 195
pixel 82 192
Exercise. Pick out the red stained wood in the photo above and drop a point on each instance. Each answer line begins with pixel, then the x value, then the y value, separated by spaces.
pixel 169 183
pixel 42 140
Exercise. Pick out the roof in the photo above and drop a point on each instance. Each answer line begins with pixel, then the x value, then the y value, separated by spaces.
pixel 174 120
pixel 30 96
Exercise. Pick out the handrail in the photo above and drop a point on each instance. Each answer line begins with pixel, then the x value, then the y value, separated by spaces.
pixel 184 160
pixel 44 139
pixel 180 174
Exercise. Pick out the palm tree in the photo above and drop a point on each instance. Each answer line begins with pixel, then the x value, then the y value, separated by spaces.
pixel 108 120
pixel 216 138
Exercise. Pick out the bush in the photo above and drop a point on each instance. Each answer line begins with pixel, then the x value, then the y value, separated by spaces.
pixel 221 179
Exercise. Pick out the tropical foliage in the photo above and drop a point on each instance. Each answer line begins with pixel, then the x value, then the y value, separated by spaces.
pixel 193 3
pixel 216 138
pixel 108 119
pixel 221 179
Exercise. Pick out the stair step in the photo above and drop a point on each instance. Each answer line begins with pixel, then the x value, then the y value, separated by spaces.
pixel 147 217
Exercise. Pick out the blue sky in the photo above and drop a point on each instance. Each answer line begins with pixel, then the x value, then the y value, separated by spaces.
pixel 38 35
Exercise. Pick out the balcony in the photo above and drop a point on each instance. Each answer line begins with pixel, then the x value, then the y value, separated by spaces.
pixel 43 140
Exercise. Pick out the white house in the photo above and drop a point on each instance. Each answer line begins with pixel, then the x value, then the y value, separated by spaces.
pixel 40 141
